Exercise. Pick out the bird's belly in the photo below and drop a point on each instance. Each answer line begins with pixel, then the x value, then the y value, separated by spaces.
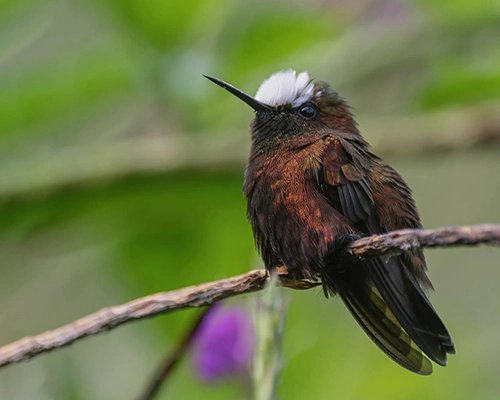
pixel 297 225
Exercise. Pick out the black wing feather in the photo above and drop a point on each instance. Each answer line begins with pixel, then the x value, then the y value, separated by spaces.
pixel 346 199
pixel 364 197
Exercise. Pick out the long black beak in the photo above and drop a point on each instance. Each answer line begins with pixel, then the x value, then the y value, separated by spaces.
pixel 255 104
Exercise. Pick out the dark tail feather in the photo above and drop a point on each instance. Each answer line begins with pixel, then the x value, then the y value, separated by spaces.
pixel 391 308
pixel 410 305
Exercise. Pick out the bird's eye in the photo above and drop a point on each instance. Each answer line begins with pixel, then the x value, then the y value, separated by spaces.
pixel 308 111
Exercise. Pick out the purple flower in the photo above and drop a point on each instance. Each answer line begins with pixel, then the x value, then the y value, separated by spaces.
pixel 223 345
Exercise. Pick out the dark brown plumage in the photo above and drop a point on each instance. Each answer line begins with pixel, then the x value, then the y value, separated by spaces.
pixel 312 184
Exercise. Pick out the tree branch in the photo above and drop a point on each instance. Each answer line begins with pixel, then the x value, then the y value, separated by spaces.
pixel 407 239
pixel 109 318
pixel 208 293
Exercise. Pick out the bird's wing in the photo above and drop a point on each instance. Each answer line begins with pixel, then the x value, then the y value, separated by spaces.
pixel 345 184
pixel 382 293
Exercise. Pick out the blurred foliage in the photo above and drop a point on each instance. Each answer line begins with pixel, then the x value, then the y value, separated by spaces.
pixel 81 77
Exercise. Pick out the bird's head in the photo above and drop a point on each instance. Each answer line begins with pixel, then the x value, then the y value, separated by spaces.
pixel 295 109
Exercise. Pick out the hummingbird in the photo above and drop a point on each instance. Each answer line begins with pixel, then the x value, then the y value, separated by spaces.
pixel 313 185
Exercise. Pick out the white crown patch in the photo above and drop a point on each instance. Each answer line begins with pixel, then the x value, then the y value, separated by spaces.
pixel 285 87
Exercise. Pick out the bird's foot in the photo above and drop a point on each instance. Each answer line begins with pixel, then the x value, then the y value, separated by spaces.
pixel 290 281
pixel 281 270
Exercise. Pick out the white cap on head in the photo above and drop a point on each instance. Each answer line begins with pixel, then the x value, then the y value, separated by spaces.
pixel 285 87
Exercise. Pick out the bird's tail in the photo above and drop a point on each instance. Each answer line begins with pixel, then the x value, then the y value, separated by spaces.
pixel 388 303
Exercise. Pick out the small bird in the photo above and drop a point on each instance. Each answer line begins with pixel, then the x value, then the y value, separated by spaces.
pixel 312 186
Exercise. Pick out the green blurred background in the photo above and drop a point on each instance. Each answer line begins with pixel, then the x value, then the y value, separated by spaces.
pixel 121 172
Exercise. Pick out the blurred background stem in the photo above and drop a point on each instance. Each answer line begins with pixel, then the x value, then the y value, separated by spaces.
pixel 269 321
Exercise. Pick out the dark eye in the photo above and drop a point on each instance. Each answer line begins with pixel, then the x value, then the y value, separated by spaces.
pixel 308 111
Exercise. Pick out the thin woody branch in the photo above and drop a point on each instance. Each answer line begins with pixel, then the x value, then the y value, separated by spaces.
pixel 109 318
pixel 407 239
pixel 208 293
